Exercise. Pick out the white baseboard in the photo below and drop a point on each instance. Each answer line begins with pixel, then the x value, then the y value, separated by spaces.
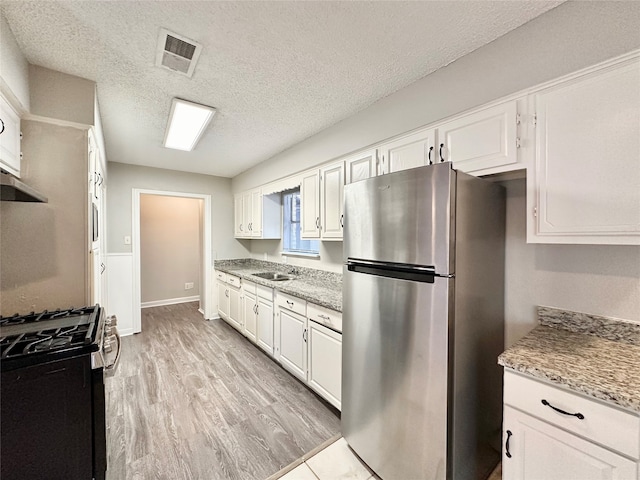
pixel 169 301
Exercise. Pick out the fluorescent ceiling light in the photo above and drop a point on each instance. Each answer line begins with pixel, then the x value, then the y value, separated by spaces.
pixel 187 122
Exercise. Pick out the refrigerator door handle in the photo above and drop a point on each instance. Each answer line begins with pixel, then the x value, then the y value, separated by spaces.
pixel 419 273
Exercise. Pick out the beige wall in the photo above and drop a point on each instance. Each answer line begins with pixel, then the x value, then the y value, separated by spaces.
pixel 123 178
pixel 594 279
pixel 62 97
pixel 170 247
pixel 14 68
pixel 43 254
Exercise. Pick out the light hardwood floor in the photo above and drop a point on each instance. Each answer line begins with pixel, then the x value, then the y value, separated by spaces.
pixel 193 399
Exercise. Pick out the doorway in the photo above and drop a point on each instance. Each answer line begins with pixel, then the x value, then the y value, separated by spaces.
pixel 153 199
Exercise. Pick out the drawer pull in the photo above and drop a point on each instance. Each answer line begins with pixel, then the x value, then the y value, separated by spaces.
pixel 578 415
pixel 289 303
pixel 326 317
pixel 506 447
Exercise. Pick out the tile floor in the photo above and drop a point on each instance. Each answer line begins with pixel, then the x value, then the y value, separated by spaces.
pixel 337 462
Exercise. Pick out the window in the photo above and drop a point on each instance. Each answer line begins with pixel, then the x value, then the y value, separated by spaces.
pixel 292 243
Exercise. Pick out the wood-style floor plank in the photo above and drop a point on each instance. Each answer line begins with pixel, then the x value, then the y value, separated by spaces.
pixel 193 399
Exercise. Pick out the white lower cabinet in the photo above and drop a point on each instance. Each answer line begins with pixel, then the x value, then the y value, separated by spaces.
pixel 293 343
pixel 550 433
pixel 235 307
pixel 250 314
pixel 540 451
pixel 325 362
pixel 264 311
pixel 223 299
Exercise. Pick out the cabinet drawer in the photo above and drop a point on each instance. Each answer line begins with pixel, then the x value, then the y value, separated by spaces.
pixel 292 303
pixel 221 276
pixel 325 316
pixel 249 287
pixel 264 292
pixel 233 280
pixel 603 424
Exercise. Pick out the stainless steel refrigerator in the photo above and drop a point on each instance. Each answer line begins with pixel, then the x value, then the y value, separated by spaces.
pixel 423 320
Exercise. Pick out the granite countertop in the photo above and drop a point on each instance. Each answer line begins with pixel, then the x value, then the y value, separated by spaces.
pixel 315 286
pixel 592 355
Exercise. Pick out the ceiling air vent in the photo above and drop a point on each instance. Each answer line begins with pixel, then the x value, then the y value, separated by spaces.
pixel 177 53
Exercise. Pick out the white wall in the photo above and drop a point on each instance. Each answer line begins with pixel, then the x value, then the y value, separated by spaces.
pixel 14 68
pixel 170 247
pixel 122 178
pixel 330 254
pixel 594 279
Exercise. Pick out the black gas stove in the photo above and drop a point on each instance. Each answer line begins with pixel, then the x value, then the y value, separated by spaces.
pixel 46 336
pixel 52 367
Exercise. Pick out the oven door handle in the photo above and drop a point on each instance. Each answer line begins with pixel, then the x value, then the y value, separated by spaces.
pixel 115 362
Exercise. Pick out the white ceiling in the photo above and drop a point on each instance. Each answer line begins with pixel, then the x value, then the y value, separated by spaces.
pixel 278 72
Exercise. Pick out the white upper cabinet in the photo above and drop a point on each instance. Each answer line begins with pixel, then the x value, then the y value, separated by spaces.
pixel 332 201
pixel 238 228
pixel 247 212
pixel 480 140
pixel 361 166
pixel 585 183
pixel 410 151
pixel 257 215
pixel 310 205
pixel 10 156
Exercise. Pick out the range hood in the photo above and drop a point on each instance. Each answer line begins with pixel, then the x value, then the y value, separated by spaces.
pixel 13 190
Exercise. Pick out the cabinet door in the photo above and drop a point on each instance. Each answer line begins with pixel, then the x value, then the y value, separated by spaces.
pixel 265 325
pixel 310 205
pixel 9 138
pixel 540 451
pixel 223 300
pixel 249 313
pixel 325 362
pixel 332 201
pixel 235 307
pixel 411 151
pixel 587 167
pixel 293 343
pixel 361 166
pixel 247 212
pixel 238 212
pixel 484 139
pixel 256 213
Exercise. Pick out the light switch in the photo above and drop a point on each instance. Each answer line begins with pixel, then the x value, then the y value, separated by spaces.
pixel 127 240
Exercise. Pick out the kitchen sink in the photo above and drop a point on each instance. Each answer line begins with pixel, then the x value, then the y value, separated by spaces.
pixel 276 277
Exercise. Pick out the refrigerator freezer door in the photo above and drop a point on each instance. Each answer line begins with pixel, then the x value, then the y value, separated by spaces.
pixel 395 375
pixel 403 217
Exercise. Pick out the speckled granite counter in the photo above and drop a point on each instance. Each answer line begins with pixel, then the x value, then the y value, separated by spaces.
pixel 593 355
pixel 315 286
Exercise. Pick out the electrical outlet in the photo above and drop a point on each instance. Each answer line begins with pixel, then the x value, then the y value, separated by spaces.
pixel 188 285
pixel 127 240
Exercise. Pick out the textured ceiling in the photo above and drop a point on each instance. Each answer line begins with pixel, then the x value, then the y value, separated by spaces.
pixel 278 72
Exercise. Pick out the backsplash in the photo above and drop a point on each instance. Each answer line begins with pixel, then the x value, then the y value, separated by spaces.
pixel 604 327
